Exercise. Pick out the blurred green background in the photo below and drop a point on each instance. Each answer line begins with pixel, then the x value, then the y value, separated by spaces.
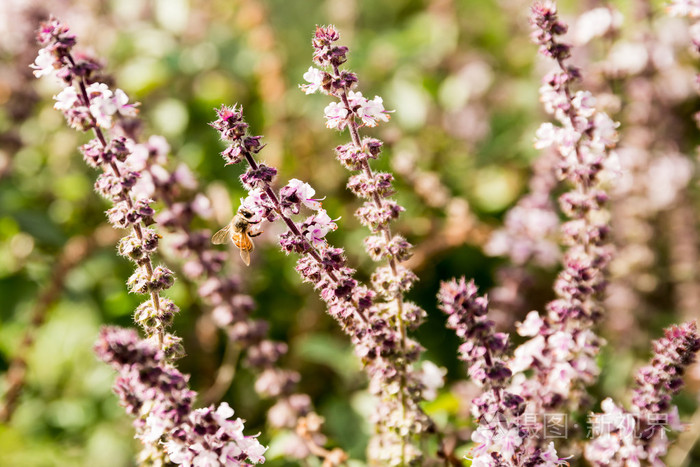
pixel 462 77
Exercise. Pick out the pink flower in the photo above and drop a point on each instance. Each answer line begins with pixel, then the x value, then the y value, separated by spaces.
pixel 483 436
pixel 319 226
pixel 336 115
pixel 508 441
pixel 560 377
pixel 121 101
pixel 43 65
pixel 433 378
pixel 532 324
pixel 584 103
pixel 561 343
pixel 255 202
pixel 547 135
pixel 525 354
pixel 104 104
pixel 551 458
pixel 368 111
pixel 66 99
pixel 305 193
pixel 315 77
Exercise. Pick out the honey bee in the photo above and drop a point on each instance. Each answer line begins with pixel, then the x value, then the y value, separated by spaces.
pixel 239 231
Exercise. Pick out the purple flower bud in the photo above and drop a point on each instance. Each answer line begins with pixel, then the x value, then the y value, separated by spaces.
pixel 232 154
pixel 116 149
pixel 92 153
pixel 374 217
pixel 258 177
pixel 365 186
pixel 265 353
pixel 230 124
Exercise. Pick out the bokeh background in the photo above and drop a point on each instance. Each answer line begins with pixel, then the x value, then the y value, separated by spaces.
pixel 463 79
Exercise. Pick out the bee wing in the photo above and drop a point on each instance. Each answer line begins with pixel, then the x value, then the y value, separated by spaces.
pixel 245 256
pixel 244 244
pixel 221 237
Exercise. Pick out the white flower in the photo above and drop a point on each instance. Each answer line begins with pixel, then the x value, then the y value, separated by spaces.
pixel 584 102
pixel 43 65
pixel 561 343
pixel 551 457
pixel 206 459
pixel 66 98
pixel 532 324
pixel 596 23
pixel 224 411
pixel 605 129
pixel 525 353
pixel 121 101
pixel 508 441
pixel 155 427
pixel 99 90
pixel 483 436
pixel 546 135
pixel 560 378
pixel 319 226
pixel 253 449
pixel 314 76
pixel 178 453
pixel 305 193
pixel 229 454
pixel 255 202
pixel 368 111
pixel 102 106
pixel 336 115
pixel 432 377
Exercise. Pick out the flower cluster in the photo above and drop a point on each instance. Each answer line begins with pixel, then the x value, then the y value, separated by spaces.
pixel 229 308
pixel 150 387
pixel 529 232
pixel 390 282
pixel 547 373
pixel 353 106
pixel 631 438
pixel 502 437
pixel 320 264
pixel 92 105
pixel 562 347
pixel 156 393
pixel 690 8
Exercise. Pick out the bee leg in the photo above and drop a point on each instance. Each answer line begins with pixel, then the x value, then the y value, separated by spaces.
pixel 257 234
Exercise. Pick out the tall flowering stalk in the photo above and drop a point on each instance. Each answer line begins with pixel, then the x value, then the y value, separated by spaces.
pixel 149 386
pixel 563 347
pixel 375 337
pixel 396 387
pixel 624 438
pixel 228 306
pixel 319 264
pixel 503 435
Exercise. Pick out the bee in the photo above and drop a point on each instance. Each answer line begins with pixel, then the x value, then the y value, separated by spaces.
pixel 239 231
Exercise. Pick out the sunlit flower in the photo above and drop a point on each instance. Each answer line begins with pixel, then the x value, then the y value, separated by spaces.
pixel 336 115
pixel 43 65
pixel 314 76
